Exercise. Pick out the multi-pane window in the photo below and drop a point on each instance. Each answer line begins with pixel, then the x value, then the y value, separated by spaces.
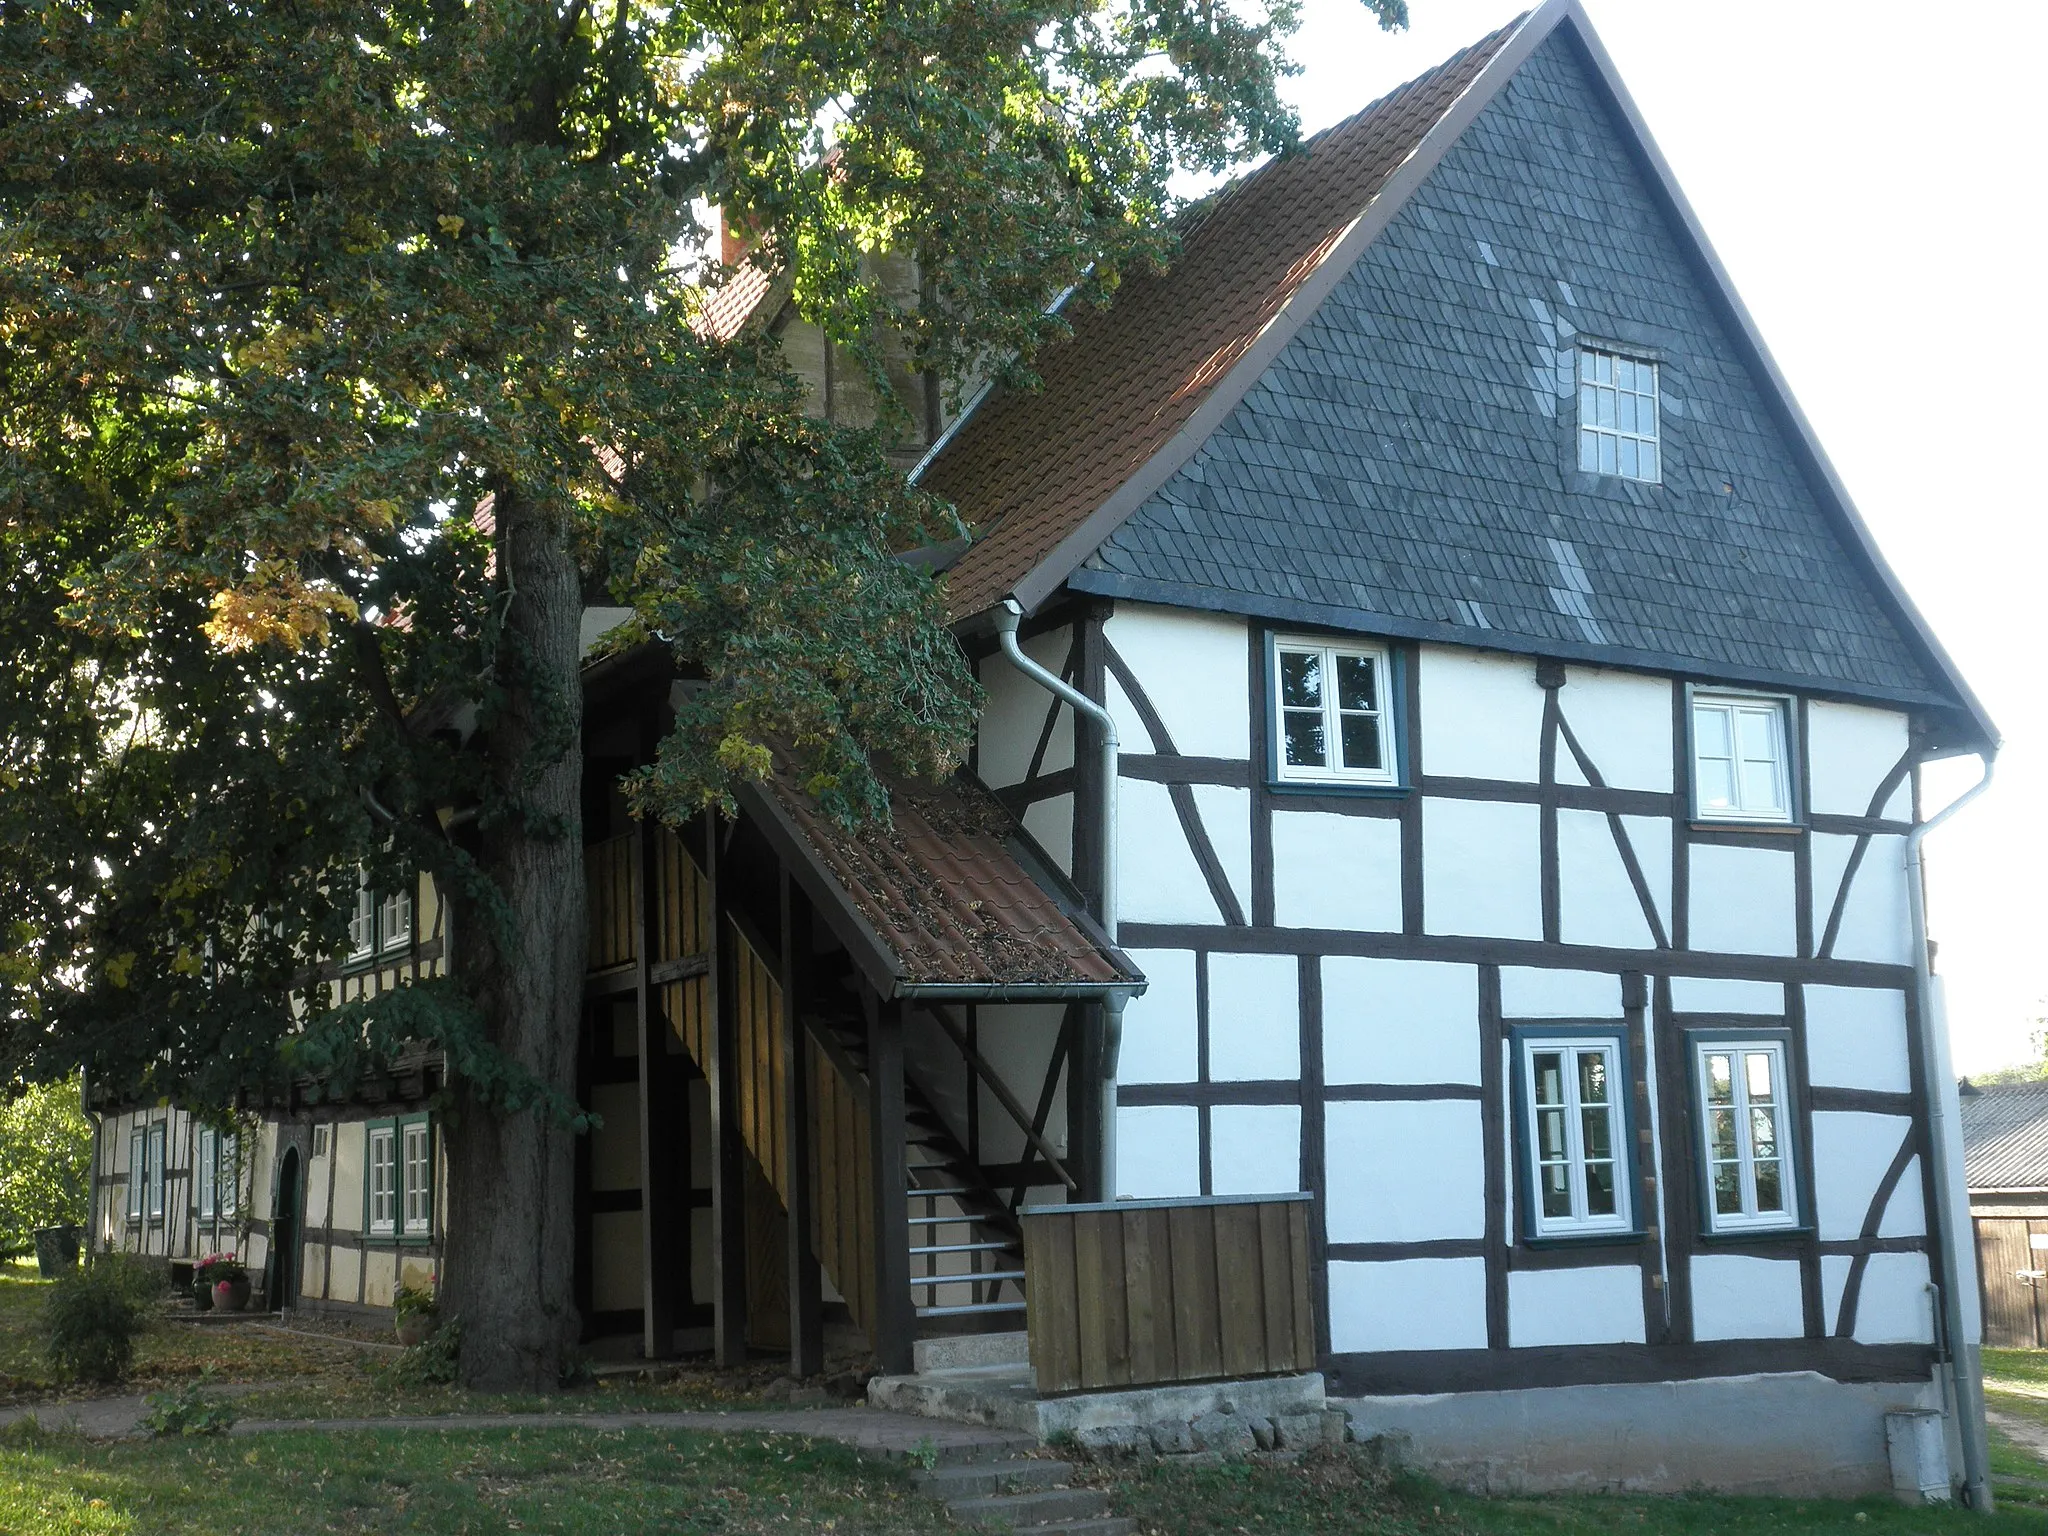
pixel 1746 1152
pixel 156 1172
pixel 418 1176
pixel 206 1175
pixel 1331 713
pixel 138 1173
pixel 228 1175
pixel 1741 758
pixel 362 923
pixel 394 920
pixel 1575 1147
pixel 382 1171
pixel 1618 416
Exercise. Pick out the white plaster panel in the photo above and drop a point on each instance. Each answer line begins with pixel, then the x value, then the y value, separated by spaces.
pixel 1254 1016
pixel 1227 817
pixel 1597 902
pixel 1405 1172
pixel 1741 900
pixel 344 1273
pixel 1715 994
pixel 1851 1151
pixel 380 1277
pixel 1531 992
pixel 1875 922
pixel 1481 869
pixel 1407 1304
pixel 1735 1296
pixel 1575 1306
pixel 1482 715
pixel 1849 750
pixel 1336 871
pixel 1013 714
pixel 1192 667
pixel 1160 1036
pixel 1158 1151
pixel 1018 1041
pixel 615 1143
pixel 1893 1305
pixel 1399 1021
pixel 1255 1149
pixel 1856 1038
pixel 615 1261
pixel 1623 720
pixel 1051 825
pixel 1650 837
pixel 1158 880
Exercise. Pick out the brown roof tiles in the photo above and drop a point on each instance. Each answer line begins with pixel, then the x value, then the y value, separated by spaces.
pixel 1027 469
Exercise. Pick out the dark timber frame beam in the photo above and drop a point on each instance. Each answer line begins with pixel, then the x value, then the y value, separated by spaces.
pixel 728 1154
pixel 664 1101
pixel 895 1313
pixel 806 1305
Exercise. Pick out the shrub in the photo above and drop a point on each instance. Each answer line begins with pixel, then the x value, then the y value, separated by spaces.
pixel 187 1410
pixel 45 1161
pixel 433 1361
pixel 92 1317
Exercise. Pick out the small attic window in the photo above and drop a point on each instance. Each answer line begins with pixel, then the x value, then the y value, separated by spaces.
pixel 1618 416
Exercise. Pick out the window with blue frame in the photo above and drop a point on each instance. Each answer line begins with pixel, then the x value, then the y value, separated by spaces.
pixel 1571 1092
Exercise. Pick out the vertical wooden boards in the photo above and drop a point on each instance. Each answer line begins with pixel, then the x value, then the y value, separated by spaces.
pixel 1141 1293
pixel 609 870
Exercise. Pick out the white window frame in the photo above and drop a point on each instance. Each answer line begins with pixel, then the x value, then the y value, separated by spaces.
pixel 1581 1223
pixel 1735 709
pixel 138 1171
pixel 205 1175
pixel 157 1136
pixel 362 923
pixel 1749 1218
pixel 1388 774
pixel 416 1147
pixel 1612 406
pixel 228 1177
pixel 320 1140
pixel 380 1204
pixel 394 920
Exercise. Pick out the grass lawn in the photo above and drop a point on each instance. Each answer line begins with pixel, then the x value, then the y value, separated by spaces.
pixel 573 1481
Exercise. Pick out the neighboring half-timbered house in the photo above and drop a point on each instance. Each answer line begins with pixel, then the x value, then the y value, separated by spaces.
pixel 1508 842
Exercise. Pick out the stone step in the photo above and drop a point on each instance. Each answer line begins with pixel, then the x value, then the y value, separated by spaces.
pixel 1031 1511
pixel 993 1446
pixel 972 1351
pixel 979 1480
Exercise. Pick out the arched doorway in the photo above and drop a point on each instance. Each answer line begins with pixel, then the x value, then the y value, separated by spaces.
pixel 283 1289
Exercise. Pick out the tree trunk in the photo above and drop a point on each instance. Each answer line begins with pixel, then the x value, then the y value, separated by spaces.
pixel 511 1225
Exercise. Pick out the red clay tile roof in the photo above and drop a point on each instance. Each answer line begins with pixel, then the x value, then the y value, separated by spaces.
pixel 1027 469
pixel 727 309
pixel 946 891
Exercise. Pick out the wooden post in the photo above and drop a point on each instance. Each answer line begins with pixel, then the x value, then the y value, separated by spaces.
pixel 1084 1104
pixel 728 1180
pixel 664 1131
pixel 895 1312
pixel 806 1306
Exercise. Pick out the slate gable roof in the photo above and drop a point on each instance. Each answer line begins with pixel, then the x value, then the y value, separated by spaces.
pixel 2005 1136
pixel 1394 451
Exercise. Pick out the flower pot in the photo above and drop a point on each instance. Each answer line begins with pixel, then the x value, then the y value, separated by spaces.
pixel 231 1295
pixel 56 1251
pixel 414 1327
pixel 202 1295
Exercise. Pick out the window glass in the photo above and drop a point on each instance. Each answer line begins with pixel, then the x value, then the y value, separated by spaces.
pixel 1748 1167
pixel 138 1173
pixel 156 1171
pixel 1574 1135
pixel 362 924
pixel 419 1184
pixel 1618 432
pixel 208 1152
pixel 228 1180
pixel 1330 713
pixel 383 1179
pixel 394 923
pixel 1741 760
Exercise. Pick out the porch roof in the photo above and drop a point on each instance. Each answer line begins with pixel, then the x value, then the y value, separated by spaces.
pixel 950 899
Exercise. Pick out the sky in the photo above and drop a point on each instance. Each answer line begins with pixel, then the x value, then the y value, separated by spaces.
pixel 1870 173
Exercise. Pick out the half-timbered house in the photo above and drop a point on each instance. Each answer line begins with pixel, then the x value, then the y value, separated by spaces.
pixel 1451 753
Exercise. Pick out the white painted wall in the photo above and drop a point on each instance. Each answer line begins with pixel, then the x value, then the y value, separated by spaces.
pixel 1160 1041
pixel 1227 818
pixel 1482 868
pixel 1158 880
pixel 1856 1038
pixel 1254 1016
pixel 1740 901
pixel 1014 714
pixel 1575 1306
pixel 1531 992
pixel 1399 1021
pixel 1715 994
pixel 1623 720
pixel 1893 1305
pixel 1192 667
pixel 1875 922
pixel 1851 1151
pixel 1849 749
pixel 1408 1304
pixel 1255 1149
pixel 1017 1040
pixel 1597 902
pixel 1334 871
pixel 1404 1171
pixel 1735 1296
pixel 1482 715
pixel 1158 1151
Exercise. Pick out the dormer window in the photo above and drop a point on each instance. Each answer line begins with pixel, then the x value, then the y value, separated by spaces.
pixel 1331 713
pixel 1618 416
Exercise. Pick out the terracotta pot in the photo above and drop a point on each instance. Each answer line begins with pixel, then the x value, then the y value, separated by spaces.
pixel 202 1296
pixel 414 1327
pixel 231 1295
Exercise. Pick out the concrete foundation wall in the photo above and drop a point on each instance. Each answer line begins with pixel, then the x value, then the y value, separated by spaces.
pixel 1799 1434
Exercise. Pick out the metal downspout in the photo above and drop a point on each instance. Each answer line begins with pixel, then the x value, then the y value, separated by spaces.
pixel 1007 618
pixel 1966 1367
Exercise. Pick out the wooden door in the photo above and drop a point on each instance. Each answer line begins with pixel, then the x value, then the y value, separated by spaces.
pixel 2013 1302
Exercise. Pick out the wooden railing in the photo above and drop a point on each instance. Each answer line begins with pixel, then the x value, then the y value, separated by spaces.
pixel 1147 1292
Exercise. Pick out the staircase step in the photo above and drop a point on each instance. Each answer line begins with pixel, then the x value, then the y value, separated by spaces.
pixel 972 1352
pixel 1031 1511
pixel 1004 1246
pixel 994 1477
pixel 972 1277
pixel 943 1221
pixel 948 1193
pixel 972 1309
